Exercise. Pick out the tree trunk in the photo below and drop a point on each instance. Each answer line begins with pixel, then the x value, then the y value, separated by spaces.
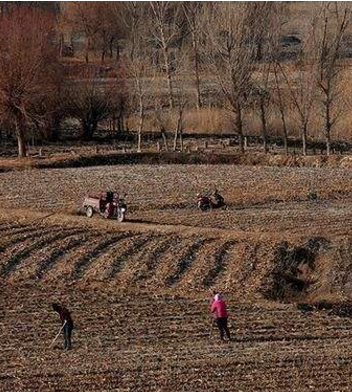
pixel 196 70
pixel 103 54
pixel 239 127
pixel 285 137
pixel 111 43
pixel 167 69
pixel 62 41
pixel 140 128
pixel 175 139
pixel 328 126
pixel 165 140
pixel 141 113
pixel 264 128
pixel 328 142
pixel 88 129
pixel 117 52
pixel 178 131
pixel 87 50
pixel 282 111
pixel 121 117
pixel 284 128
pixel 181 139
pixel 21 140
pixel 304 139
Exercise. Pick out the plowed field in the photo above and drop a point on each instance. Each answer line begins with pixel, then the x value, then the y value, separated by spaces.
pixel 139 291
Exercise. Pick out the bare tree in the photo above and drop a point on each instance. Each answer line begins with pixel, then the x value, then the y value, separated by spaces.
pixel 167 29
pixel 333 21
pixel 193 11
pixel 83 18
pixel 231 54
pixel 267 40
pixel 137 57
pixel 181 96
pixel 111 28
pixel 28 68
pixel 282 104
pixel 300 78
pixel 261 95
pixel 91 100
pixel 160 115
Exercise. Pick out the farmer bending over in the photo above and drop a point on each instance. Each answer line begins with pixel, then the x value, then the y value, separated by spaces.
pixel 218 308
pixel 67 323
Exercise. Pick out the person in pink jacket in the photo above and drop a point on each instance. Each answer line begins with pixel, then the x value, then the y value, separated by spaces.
pixel 218 308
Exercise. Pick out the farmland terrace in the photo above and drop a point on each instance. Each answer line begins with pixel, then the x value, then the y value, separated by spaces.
pixel 139 291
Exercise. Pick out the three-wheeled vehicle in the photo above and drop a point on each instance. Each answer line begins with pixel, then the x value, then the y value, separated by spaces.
pixel 108 204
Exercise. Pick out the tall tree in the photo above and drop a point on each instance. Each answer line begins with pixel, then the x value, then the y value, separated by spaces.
pixel 300 78
pixel 28 67
pixel 138 65
pixel 232 38
pixel 193 11
pixel 167 22
pixel 91 100
pixel 334 19
pixel 83 18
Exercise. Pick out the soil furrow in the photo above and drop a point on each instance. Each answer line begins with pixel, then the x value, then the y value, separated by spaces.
pixel 220 261
pixel 84 262
pixel 186 261
pixel 119 262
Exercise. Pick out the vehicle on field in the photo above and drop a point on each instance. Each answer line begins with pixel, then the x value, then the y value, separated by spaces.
pixel 205 203
pixel 108 204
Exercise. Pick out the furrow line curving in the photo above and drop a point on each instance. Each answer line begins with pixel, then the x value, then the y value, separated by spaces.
pixel 221 258
pixel 186 261
pixel 168 263
pixel 193 278
pixel 29 266
pixel 119 263
pixel 85 262
pixel 48 262
pixel 19 238
pixel 99 271
pixel 137 261
pixel 150 265
pixel 18 257
pixel 63 264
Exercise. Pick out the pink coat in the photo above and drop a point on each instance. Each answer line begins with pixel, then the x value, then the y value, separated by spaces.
pixel 219 308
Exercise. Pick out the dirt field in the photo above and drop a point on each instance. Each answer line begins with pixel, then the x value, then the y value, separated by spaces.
pixel 260 199
pixel 139 291
pixel 167 344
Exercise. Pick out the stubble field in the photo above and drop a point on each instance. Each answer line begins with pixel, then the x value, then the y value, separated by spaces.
pixel 140 291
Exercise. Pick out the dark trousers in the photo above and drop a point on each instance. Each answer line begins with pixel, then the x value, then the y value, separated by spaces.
pixel 223 328
pixel 67 335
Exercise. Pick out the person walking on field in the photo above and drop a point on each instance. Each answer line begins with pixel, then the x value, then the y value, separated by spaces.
pixel 218 308
pixel 67 324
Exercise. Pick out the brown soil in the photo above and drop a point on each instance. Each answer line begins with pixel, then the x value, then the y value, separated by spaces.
pixel 139 291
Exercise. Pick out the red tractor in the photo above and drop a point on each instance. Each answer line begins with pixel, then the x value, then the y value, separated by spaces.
pixel 108 204
pixel 205 203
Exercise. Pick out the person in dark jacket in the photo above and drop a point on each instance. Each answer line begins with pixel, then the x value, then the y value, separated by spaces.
pixel 219 200
pixel 67 323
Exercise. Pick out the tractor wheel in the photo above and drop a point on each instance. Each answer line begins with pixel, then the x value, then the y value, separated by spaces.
pixel 121 216
pixel 204 207
pixel 89 212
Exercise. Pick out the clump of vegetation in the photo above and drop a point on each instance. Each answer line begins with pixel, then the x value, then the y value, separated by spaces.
pixel 312 195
